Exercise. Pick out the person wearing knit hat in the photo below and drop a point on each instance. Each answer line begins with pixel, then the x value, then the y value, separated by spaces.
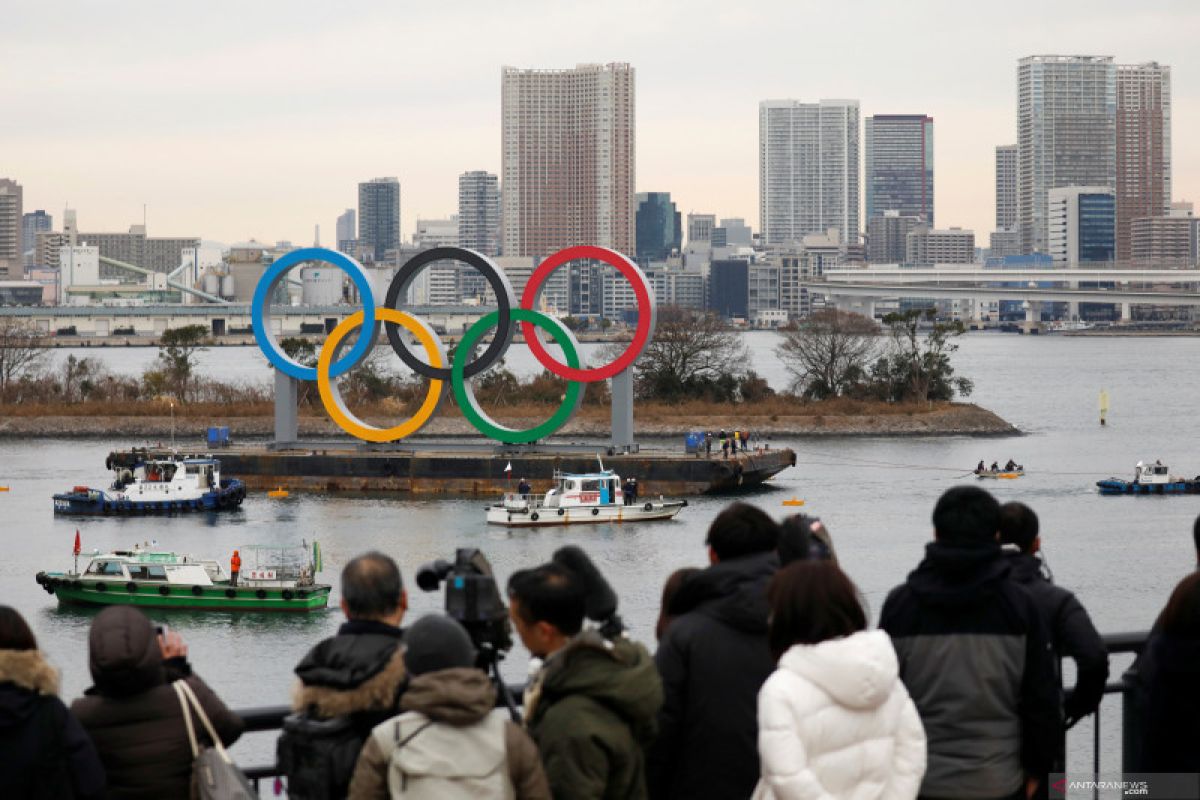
pixel 450 740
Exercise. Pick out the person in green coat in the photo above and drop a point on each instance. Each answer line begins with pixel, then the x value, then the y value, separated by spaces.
pixel 592 706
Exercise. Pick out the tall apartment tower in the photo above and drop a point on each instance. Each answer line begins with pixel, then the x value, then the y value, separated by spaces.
pixel 568 158
pixel 379 216
pixel 808 162
pixel 11 257
pixel 1066 133
pixel 479 212
pixel 898 157
pixel 1006 187
pixel 32 224
pixel 1143 148
pixel 346 231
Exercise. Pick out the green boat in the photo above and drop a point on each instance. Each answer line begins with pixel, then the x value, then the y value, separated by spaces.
pixel 272 579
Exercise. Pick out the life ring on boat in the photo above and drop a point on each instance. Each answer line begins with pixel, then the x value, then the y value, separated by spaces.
pixel 562 511
pixel 534 516
pixel 648 507
pixel 231 593
pixel 288 594
pixel 595 512
pixel 261 594
pixel 164 590
pixel 131 587
pixel 197 590
pixel 101 587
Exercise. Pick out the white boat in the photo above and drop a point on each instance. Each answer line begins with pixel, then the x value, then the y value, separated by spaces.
pixel 579 498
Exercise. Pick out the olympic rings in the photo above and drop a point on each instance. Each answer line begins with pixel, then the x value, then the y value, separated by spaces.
pixel 331 363
pixel 464 394
pixel 332 397
pixel 642 290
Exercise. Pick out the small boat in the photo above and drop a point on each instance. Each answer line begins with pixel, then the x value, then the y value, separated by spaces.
pixel 1153 478
pixel 161 485
pixel 271 579
pixel 579 498
pixel 1001 473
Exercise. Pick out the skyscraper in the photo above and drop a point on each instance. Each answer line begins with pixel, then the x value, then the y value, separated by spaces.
pixel 899 165
pixel 479 212
pixel 659 227
pixel 11 195
pixel 32 224
pixel 1006 187
pixel 808 165
pixel 1143 148
pixel 346 231
pixel 379 215
pixel 1066 133
pixel 568 156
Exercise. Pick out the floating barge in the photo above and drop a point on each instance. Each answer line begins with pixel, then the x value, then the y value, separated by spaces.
pixel 339 467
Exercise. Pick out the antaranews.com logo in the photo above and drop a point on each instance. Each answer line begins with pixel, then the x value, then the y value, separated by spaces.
pixel 1152 786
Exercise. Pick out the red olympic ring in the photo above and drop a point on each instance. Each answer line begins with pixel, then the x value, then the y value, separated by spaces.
pixel 641 291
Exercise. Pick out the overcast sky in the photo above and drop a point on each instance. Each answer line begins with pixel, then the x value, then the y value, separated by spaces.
pixel 233 120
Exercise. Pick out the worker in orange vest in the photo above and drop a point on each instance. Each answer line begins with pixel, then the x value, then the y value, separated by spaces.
pixel 235 566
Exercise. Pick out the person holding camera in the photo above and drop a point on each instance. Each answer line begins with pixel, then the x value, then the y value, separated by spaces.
pixel 348 683
pixel 591 707
pixel 450 740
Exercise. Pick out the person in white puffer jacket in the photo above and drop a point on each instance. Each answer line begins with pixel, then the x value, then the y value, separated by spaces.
pixel 834 720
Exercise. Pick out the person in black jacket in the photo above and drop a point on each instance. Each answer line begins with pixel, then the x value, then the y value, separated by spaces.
pixel 1071 630
pixel 713 658
pixel 44 749
pixel 976 658
pixel 1170 679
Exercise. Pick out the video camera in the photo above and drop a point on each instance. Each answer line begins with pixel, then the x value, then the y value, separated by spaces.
pixel 473 599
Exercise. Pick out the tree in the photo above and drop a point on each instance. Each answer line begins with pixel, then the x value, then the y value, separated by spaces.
pixel 304 353
pixel 828 353
pixel 692 353
pixel 22 350
pixel 918 368
pixel 177 350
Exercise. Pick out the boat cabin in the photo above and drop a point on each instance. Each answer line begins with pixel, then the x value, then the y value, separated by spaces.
pixel 141 565
pixel 588 489
pixel 174 479
pixel 1151 473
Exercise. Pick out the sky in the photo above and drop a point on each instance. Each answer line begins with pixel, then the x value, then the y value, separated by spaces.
pixel 239 120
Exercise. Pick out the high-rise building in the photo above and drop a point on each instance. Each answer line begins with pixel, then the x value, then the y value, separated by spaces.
pixel 1007 173
pixel 1004 243
pixel 659 227
pixel 808 164
pixel 1143 147
pixel 379 216
pixel 1081 225
pixel 11 252
pixel 700 228
pixel 737 232
pixel 346 232
pixel 898 151
pixel 887 237
pixel 32 224
pixel 568 155
pixel 479 212
pixel 135 247
pixel 1066 133
pixel 929 247
pixel 440 282
pixel 1170 241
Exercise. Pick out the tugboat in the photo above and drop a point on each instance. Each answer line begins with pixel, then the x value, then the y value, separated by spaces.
pixel 579 498
pixel 280 579
pixel 1153 478
pixel 163 485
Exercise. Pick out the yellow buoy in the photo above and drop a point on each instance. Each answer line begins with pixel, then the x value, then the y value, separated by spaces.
pixel 795 501
pixel 278 493
pixel 3 488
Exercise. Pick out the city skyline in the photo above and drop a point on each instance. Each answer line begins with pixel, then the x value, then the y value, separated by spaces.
pixel 239 135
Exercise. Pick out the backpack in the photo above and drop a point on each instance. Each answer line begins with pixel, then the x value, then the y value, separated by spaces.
pixel 318 755
pixel 428 760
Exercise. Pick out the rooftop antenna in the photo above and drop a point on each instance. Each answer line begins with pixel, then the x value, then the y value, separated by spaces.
pixel 317 235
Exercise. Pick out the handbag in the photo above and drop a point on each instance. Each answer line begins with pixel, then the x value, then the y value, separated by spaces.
pixel 214 775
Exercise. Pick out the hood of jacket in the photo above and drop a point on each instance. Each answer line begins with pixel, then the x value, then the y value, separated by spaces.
pixel 458 696
pixel 123 653
pixel 24 674
pixel 617 674
pixel 360 669
pixel 733 592
pixel 858 671
pixel 1025 568
pixel 954 575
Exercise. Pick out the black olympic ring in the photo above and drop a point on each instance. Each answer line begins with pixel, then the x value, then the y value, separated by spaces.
pixel 505 300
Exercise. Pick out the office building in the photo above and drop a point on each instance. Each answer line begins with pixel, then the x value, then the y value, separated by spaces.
pixel 737 232
pixel 479 212
pixel 887 237
pixel 12 264
pixel 1066 133
pixel 440 283
pixel 32 224
pixel 898 159
pixel 700 228
pixel 808 169
pixel 681 287
pixel 659 227
pixel 1004 243
pixel 553 294
pixel 46 245
pixel 1170 241
pixel 1143 148
pixel 378 216
pixel 762 290
pixel 136 248
pixel 1081 225
pixel 729 288
pixel 346 232
pixel 926 247
pixel 568 159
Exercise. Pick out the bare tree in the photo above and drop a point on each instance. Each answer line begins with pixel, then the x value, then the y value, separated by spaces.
pixel 828 353
pixel 691 352
pixel 22 350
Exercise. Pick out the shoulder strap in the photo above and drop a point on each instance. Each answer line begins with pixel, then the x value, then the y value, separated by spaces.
pixel 183 687
pixel 401 742
pixel 187 717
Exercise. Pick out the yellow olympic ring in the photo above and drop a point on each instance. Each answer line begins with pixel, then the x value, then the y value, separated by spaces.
pixel 332 398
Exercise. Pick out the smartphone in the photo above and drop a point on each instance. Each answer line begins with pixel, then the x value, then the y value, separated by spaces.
pixel 162 629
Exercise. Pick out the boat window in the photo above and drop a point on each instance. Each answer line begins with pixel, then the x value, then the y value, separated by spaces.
pixel 157 573
pixel 592 485
pixel 104 568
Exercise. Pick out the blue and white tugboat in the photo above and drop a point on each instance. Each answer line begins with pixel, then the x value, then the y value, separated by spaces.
pixel 162 485
pixel 1153 478
pixel 577 498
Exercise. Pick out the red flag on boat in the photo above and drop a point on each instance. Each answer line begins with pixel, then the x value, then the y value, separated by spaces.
pixel 77 541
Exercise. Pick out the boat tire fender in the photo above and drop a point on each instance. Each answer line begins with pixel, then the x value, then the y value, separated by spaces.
pixel 288 594
pixel 77 585
pixel 301 593
pixel 534 516
pixel 131 587
pixel 562 511
pixel 648 507
pixel 107 506
pixel 261 594
pixel 164 590
pixel 595 512
pixel 101 586
pixel 197 590
pixel 231 593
